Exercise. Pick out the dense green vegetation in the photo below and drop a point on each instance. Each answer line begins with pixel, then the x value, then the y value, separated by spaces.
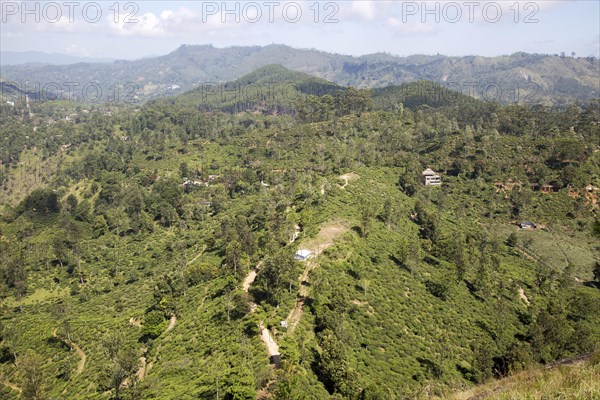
pixel 122 266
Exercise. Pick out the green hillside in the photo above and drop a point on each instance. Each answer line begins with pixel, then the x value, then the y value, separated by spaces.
pixel 149 253
pixel 270 89
pixel 415 94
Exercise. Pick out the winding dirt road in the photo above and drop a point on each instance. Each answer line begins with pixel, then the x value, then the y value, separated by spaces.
pixel 146 365
pixel 265 334
pixel 347 178
pixel 197 255
pixel 269 341
pixel 80 353
pixel 324 239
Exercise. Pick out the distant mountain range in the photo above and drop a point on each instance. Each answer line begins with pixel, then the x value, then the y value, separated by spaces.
pixel 518 77
pixel 38 57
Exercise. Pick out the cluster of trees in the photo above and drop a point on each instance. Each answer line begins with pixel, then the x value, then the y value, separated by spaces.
pixel 326 107
pixel 13 274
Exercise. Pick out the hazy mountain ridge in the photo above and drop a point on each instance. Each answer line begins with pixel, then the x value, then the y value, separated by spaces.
pixel 38 57
pixel 546 78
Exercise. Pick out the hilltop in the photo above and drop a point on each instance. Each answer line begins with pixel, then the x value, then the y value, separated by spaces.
pixel 269 89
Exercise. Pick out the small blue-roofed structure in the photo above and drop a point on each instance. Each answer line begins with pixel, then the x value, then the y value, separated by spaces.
pixel 303 255
pixel 527 225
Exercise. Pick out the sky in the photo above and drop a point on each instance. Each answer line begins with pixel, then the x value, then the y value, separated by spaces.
pixel 136 29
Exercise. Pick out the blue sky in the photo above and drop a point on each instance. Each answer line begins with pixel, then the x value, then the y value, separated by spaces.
pixel 485 28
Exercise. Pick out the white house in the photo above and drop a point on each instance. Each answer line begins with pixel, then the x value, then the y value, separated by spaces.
pixel 303 255
pixel 431 178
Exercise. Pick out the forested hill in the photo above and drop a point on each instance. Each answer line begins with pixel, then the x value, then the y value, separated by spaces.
pixel 276 90
pixel 519 77
pixel 270 89
pixel 149 252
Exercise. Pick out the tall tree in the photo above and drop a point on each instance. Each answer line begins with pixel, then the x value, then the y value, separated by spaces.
pixel 122 359
pixel 334 365
pixel 33 375
pixel 367 213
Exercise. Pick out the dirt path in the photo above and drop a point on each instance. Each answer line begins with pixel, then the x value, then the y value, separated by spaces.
pixel 347 178
pixel 297 231
pixel 80 353
pixel 265 334
pixel 523 296
pixel 172 323
pixel 269 341
pixel 324 239
pixel 197 255
pixel 12 386
pixel 249 279
pixel 295 314
pixel 204 298
pixel 146 365
pixel 143 370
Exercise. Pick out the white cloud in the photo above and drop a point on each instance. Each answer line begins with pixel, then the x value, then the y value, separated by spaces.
pixel 166 14
pixel 364 9
pixel 182 22
pixel 147 25
pixel 447 11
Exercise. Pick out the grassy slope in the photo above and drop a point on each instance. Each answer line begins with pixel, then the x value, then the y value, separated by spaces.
pixel 577 380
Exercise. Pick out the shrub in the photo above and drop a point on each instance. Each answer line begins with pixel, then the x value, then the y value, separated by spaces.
pixel 511 241
pixel 154 324
pixel 439 290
